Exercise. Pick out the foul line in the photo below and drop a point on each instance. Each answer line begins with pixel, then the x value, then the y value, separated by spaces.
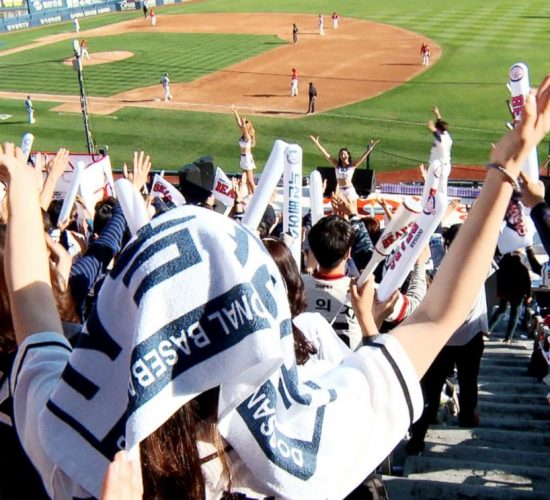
pixel 406 122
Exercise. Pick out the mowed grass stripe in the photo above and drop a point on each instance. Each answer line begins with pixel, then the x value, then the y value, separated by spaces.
pixel 462 30
pixel 507 26
pixel 440 23
pixel 185 56
pixel 526 30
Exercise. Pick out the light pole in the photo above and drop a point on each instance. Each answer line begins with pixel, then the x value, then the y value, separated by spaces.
pixel 83 98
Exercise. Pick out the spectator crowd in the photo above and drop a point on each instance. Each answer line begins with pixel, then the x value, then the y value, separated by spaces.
pixel 161 350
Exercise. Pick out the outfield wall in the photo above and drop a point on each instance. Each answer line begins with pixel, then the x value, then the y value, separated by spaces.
pixel 42 12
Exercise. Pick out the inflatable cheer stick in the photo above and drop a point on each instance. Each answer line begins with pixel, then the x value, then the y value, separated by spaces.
pixel 519 88
pixel 132 204
pixel 397 227
pixel 316 196
pixel 26 145
pixel 68 202
pixel 410 247
pixel 268 182
pixel 292 200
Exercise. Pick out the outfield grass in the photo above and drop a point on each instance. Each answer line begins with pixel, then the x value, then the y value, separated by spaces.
pixel 186 56
pixel 480 41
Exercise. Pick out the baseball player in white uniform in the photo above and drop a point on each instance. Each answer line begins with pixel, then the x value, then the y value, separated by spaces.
pixel 30 109
pixel 76 25
pixel 165 81
pixel 321 25
pixel 293 83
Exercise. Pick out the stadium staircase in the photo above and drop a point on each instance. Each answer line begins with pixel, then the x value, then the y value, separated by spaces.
pixel 506 457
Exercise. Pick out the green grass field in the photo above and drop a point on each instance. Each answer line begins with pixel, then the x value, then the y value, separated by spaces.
pixel 480 41
pixel 154 54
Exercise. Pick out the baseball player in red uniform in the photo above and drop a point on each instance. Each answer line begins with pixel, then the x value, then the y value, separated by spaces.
pixel 84 49
pixel 425 53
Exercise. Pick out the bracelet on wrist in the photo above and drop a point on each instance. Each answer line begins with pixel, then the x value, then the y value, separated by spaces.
pixel 499 168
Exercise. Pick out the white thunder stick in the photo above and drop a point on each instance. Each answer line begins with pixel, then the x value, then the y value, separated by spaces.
pixel 519 88
pixel 410 247
pixel 132 204
pixel 316 196
pixel 268 182
pixel 292 204
pixel 26 145
pixel 394 231
pixel 68 202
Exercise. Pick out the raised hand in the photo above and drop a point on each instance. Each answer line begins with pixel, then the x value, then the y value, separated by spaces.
pixel 12 160
pixel 55 168
pixel 141 166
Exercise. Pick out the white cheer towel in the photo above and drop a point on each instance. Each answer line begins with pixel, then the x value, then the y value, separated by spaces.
pixel 195 302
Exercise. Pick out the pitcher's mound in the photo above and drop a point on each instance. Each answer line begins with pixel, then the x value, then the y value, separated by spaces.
pixel 102 58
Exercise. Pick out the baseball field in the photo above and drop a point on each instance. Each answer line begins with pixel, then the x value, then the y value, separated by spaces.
pixel 368 74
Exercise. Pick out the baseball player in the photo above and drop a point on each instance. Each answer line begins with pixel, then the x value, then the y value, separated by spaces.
pixel 335 20
pixel 84 49
pixel 293 83
pixel 30 109
pixel 295 31
pixel 425 53
pixel 312 93
pixel 76 25
pixel 165 81
pixel 153 17
pixel 321 25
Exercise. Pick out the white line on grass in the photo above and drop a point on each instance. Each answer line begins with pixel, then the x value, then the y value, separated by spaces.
pixel 94 116
pixel 406 122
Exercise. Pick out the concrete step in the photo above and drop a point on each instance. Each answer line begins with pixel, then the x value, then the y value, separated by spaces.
pixel 501 351
pixel 494 370
pixel 516 379
pixel 502 361
pixel 525 411
pixel 488 437
pixel 478 473
pixel 405 489
pixel 535 388
pixel 513 423
pixel 487 454
pixel 520 399
pixel 518 343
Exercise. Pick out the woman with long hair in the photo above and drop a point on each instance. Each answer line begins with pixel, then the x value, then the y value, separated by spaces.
pixel 247 141
pixel 344 166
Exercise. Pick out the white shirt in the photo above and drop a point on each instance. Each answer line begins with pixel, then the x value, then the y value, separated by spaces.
pixel 441 147
pixel 328 297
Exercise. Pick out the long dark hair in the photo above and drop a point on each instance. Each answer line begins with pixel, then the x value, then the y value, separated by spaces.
pixel 350 161
pixel 295 293
pixel 170 460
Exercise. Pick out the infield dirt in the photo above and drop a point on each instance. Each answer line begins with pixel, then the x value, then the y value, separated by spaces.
pixel 359 60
